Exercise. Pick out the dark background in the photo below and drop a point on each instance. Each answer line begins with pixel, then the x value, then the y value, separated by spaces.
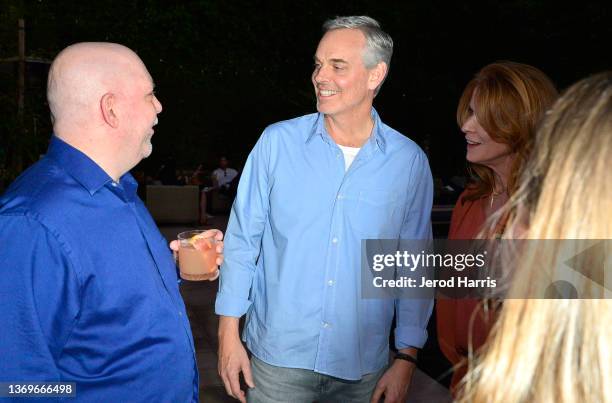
pixel 226 69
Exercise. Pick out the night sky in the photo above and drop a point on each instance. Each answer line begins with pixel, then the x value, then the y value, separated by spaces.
pixel 224 70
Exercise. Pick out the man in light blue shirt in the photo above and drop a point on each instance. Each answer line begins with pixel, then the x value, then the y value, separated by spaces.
pixel 312 188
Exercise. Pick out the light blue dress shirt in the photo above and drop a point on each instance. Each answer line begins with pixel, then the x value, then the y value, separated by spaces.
pixel 293 247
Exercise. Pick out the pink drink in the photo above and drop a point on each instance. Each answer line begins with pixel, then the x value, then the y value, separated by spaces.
pixel 197 256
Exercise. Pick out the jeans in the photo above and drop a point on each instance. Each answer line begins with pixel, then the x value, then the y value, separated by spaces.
pixel 278 384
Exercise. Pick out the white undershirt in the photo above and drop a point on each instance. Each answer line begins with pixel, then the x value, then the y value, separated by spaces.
pixel 349 155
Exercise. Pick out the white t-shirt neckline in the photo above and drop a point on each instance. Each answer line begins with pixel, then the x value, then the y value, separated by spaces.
pixel 349 155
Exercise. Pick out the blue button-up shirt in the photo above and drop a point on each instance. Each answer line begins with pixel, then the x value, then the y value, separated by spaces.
pixel 88 287
pixel 293 242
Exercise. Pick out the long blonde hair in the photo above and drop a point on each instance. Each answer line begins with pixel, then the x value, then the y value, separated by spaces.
pixel 556 350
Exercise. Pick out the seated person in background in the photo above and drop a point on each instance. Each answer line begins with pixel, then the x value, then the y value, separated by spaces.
pixel 556 350
pixel 224 181
pixel 225 178
pixel 498 114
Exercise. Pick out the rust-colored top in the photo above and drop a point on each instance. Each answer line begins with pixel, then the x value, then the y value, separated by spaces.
pixel 454 315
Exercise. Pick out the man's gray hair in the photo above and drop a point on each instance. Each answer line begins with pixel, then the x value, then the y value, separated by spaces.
pixel 379 45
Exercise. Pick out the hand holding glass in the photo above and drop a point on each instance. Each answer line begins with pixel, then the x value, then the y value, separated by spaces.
pixel 197 255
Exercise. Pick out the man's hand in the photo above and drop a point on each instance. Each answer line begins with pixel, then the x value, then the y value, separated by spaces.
pixel 233 359
pixel 394 383
pixel 218 235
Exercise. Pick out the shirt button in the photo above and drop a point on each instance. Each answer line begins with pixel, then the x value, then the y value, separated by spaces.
pixel 330 283
pixel 114 184
pixel 340 197
pixel 335 240
pixel 326 325
pixel 180 313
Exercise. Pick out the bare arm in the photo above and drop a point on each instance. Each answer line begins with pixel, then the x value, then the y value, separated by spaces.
pixel 233 358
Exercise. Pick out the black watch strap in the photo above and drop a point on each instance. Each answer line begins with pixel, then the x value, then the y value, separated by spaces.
pixel 406 357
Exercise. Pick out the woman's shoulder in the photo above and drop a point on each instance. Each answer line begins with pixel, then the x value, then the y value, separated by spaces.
pixel 466 199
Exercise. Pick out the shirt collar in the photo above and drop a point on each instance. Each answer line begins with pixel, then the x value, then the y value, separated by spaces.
pixel 83 169
pixel 377 136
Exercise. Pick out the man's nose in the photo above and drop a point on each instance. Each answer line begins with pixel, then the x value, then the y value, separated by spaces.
pixel 320 75
pixel 158 105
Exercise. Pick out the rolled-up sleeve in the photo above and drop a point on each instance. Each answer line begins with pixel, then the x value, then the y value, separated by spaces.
pixel 244 232
pixel 39 300
pixel 412 315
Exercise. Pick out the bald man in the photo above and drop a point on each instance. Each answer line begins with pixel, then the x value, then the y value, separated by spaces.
pixel 89 291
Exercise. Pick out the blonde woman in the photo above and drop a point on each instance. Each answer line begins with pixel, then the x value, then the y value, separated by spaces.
pixel 556 350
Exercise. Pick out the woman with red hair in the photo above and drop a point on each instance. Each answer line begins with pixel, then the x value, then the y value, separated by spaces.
pixel 498 112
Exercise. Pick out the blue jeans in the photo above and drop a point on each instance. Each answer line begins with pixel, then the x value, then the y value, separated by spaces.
pixel 278 384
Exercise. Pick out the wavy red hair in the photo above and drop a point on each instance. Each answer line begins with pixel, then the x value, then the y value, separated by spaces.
pixel 510 99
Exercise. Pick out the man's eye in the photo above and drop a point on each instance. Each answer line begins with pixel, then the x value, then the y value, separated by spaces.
pixel 339 67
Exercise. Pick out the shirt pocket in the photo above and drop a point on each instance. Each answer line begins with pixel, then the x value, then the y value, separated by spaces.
pixel 376 214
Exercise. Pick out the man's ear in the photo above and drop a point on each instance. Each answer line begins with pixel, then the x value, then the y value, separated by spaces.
pixel 108 108
pixel 377 75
